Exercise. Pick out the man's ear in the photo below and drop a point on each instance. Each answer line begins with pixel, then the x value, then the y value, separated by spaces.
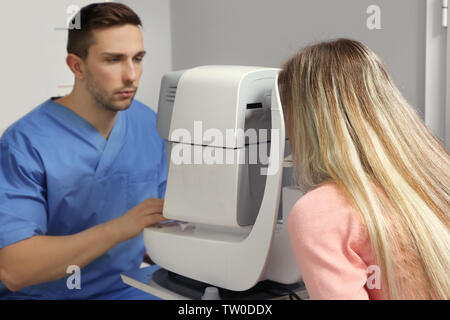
pixel 76 65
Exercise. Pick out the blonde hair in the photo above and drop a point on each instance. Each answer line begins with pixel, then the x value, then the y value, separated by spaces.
pixel 349 124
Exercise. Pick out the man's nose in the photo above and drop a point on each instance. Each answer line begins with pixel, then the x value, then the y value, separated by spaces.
pixel 129 72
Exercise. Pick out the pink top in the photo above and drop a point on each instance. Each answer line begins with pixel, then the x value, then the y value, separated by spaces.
pixel 332 247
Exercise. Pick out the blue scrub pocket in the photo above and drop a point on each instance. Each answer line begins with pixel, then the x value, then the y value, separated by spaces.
pixel 142 186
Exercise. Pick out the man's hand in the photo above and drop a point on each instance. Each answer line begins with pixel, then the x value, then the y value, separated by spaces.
pixel 42 259
pixel 133 222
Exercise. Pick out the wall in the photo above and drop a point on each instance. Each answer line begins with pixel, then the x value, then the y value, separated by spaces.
pixel 184 33
pixel 267 32
pixel 436 84
pixel 33 53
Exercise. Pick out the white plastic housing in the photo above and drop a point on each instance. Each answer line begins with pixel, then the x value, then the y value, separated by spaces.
pixel 213 247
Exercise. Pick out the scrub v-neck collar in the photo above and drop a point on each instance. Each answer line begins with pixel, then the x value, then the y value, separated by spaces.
pixel 109 148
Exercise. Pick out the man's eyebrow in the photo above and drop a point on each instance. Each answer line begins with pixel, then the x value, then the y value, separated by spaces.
pixel 116 54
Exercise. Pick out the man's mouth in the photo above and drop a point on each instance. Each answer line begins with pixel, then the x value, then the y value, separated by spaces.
pixel 126 93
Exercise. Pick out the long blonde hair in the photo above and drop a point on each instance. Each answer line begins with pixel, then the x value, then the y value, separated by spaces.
pixel 349 124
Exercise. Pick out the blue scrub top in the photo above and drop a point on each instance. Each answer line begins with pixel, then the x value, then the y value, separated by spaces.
pixel 60 176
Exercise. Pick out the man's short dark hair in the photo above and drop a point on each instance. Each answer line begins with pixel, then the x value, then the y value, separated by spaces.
pixel 97 16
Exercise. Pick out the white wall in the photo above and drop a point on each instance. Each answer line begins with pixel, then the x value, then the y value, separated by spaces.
pixel 32 60
pixel 184 33
pixel 267 32
pixel 411 42
pixel 436 73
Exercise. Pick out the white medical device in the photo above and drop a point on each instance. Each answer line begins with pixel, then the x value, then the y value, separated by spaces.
pixel 229 231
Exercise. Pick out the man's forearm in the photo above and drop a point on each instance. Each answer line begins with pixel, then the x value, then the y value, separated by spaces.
pixel 46 258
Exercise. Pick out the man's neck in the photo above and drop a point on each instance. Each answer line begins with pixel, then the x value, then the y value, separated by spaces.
pixel 83 105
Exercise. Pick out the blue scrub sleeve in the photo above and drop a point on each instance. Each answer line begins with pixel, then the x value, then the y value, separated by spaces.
pixel 23 204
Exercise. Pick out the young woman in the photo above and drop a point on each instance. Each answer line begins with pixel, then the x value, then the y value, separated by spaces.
pixel 374 222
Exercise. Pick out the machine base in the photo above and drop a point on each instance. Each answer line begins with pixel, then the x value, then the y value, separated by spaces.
pixel 171 286
pixel 193 289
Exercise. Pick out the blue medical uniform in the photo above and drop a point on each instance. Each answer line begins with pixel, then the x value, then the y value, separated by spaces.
pixel 60 176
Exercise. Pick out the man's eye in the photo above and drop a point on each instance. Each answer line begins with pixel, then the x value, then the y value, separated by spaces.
pixel 138 59
pixel 113 59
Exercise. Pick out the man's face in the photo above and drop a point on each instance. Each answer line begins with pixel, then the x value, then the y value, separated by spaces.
pixel 114 66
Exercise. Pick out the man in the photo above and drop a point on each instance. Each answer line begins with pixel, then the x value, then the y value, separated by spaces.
pixel 81 176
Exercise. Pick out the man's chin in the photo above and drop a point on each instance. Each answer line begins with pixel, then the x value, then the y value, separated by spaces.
pixel 120 105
